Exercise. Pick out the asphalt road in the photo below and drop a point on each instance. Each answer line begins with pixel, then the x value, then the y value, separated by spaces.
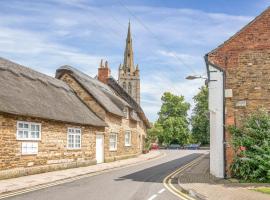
pixel 138 182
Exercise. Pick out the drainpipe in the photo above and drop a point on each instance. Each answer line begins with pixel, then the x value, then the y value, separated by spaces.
pixel 207 62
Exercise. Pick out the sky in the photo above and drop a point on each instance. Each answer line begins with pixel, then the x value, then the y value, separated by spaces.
pixel 170 38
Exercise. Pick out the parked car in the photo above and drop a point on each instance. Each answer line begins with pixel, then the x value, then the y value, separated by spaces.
pixel 192 146
pixel 174 146
pixel 154 146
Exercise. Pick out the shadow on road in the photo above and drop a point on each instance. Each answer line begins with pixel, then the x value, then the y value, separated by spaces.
pixel 159 172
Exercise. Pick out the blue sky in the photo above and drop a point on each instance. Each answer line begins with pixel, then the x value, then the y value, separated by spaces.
pixel 170 37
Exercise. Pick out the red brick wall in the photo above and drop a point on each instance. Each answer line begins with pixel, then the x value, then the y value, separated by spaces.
pixel 246 60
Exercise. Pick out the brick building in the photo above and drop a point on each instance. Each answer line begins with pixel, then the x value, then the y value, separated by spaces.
pixel 238 73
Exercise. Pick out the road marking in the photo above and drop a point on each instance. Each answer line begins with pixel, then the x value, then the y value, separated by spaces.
pixel 162 190
pixel 167 181
pixel 68 180
pixel 152 197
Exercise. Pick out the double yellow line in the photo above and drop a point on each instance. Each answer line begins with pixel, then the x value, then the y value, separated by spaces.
pixel 167 182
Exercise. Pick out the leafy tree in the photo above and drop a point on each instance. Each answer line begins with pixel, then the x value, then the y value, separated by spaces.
pixel 199 119
pixel 173 119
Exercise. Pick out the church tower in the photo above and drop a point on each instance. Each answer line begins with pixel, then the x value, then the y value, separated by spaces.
pixel 129 75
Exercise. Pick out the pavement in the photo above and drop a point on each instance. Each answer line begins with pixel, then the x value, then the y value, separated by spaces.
pixel 197 182
pixel 135 179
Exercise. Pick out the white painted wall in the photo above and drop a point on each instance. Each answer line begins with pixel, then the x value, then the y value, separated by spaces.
pixel 216 122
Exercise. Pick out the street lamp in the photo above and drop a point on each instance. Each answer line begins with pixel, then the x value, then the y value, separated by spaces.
pixel 193 77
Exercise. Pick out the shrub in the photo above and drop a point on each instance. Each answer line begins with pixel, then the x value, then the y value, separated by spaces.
pixel 251 143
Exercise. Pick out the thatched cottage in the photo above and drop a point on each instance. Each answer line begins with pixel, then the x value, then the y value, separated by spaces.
pixel 44 126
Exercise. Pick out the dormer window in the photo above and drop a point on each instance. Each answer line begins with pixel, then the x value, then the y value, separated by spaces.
pixel 125 111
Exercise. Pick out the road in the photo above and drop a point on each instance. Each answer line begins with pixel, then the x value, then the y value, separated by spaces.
pixel 137 182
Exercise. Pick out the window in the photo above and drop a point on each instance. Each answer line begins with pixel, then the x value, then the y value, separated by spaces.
pixel 128 138
pixel 28 131
pixel 130 88
pixel 125 112
pixel 74 138
pixel 124 85
pixel 29 148
pixel 113 142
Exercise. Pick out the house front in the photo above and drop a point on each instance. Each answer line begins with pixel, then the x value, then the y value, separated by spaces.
pixel 238 81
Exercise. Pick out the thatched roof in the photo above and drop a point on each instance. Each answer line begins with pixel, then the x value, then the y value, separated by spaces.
pixel 135 106
pixel 103 94
pixel 27 92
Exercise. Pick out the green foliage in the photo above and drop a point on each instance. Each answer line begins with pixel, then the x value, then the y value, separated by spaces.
pixel 155 133
pixel 199 119
pixel 251 144
pixel 172 124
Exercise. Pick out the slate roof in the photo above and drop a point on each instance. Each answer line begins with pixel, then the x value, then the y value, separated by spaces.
pixel 26 92
pixel 100 91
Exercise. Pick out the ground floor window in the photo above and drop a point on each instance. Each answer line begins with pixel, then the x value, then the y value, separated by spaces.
pixel 128 138
pixel 74 138
pixel 29 148
pixel 113 142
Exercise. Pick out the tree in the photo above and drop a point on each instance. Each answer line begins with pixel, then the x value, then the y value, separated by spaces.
pixel 199 119
pixel 173 119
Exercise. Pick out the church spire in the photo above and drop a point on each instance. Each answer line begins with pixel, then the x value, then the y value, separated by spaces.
pixel 128 57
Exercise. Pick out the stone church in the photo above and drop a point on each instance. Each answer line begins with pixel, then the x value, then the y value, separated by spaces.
pixel 129 75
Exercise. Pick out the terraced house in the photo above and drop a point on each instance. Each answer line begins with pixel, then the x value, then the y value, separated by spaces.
pixel 72 120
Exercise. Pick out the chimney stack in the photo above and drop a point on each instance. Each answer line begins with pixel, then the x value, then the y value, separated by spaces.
pixel 104 72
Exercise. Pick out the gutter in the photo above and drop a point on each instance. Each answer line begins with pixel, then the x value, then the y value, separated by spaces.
pixel 207 62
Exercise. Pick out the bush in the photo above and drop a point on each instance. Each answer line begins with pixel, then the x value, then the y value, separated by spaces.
pixel 251 143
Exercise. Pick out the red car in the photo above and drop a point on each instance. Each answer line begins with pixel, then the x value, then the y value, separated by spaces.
pixel 154 146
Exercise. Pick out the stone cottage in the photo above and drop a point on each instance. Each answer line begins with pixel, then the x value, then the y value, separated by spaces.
pixel 43 124
pixel 127 126
pixel 238 73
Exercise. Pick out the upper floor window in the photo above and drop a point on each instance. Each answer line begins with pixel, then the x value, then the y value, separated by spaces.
pixel 125 111
pixel 74 138
pixel 124 85
pixel 28 131
pixel 130 88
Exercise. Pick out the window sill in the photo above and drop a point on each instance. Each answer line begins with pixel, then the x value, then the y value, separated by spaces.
pixel 112 150
pixel 127 145
pixel 28 140
pixel 74 149
pixel 29 154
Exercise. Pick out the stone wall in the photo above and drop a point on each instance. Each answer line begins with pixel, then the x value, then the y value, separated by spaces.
pixel 84 96
pixel 120 126
pixel 52 148
pixel 246 61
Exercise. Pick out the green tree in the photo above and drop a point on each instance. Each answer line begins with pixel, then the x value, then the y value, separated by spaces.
pixel 173 119
pixel 199 119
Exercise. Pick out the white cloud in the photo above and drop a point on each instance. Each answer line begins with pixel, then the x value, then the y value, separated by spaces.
pixel 46 35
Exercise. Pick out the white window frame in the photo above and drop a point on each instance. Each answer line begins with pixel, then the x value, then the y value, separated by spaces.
pixel 74 134
pixel 110 142
pixel 128 144
pixel 29 138
pixel 126 112
pixel 29 148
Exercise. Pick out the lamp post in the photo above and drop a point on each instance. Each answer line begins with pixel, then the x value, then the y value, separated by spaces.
pixel 193 77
